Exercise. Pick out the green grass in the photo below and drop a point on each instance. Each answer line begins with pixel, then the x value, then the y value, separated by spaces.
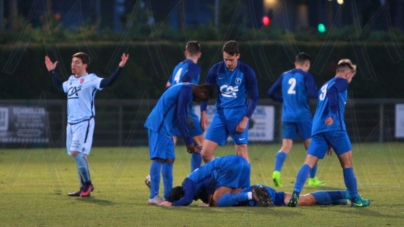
pixel 34 183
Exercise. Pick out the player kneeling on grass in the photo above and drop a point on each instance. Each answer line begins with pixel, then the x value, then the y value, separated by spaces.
pixel 224 173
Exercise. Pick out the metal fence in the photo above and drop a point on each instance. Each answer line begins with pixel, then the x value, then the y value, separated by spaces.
pixel 120 122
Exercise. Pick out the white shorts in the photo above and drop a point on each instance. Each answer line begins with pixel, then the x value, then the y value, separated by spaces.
pixel 79 137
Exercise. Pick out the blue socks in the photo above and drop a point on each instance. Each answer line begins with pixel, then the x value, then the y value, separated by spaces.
pixel 313 171
pixel 167 179
pixel 328 197
pixel 350 182
pixel 155 170
pixel 82 167
pixel 230 199
pixel 301 177
pixel 279 160
pixel 196 161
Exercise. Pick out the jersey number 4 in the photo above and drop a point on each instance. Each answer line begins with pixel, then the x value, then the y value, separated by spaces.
pixel 177 76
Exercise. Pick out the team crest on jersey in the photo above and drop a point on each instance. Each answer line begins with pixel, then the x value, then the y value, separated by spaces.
pixel 81 80
pixel 237 80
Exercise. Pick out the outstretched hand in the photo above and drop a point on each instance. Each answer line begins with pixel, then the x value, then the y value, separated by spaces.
pixel 124 58
pixel 49 64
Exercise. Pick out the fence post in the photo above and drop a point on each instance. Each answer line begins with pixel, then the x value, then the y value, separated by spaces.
pixel 120 125
pixel 381 122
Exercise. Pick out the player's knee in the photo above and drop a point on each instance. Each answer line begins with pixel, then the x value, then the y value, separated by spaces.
pixel 158 160
pixel 170 160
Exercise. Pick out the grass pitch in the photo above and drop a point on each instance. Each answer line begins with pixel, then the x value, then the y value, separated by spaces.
pixel 34 184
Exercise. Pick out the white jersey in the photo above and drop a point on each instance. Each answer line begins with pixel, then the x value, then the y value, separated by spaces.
pixel 80 97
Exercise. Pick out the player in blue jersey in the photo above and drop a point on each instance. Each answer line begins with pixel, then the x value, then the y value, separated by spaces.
pixel 297 86
pixel 224 174
pixel 81 88
pixel 235 81
pixel 170 114
pixel 264 196
pixel 189 71
pixel 329 132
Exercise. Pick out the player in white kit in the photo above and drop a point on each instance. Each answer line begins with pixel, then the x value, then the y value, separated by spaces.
pixel 81 88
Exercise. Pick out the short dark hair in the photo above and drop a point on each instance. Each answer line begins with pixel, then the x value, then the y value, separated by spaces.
pixel 231 47
pixel 176 194
pixel 193 47
pixel 83 56
pixel 302 57
pixel 208 89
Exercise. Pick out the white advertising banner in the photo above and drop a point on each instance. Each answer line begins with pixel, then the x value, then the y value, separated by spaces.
pixel 261 122
pixel 399 120
pixel 20 124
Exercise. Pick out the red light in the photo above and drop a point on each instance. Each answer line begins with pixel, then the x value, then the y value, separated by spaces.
pixel 266 20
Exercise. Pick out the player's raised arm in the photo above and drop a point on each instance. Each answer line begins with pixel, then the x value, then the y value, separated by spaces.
pixel 49 64
pixel 124 58
pixel 111 79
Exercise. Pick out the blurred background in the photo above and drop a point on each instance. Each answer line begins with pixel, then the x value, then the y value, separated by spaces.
pixel 154 33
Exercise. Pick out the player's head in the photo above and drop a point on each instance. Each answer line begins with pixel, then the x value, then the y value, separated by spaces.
pixel 231 54
pixel 201 93
pixel 302 61
pixel 346 69
pixel 80 63
pixel 193 49
pixel 176 194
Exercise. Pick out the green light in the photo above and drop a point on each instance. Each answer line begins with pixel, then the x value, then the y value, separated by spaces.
pixel 321 28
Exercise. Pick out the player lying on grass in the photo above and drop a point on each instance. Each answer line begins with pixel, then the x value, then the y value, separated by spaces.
pixel 262 195
pixel 223 174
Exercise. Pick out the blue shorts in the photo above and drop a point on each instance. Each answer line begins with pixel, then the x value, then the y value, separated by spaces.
pixel 321 142
pixel 194 126
pixel 233 173
pixel 224 124
pixel 160 146
pixel 291 129
pixel 278 198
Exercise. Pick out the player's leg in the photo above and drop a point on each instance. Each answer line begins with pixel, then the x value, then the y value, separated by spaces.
pixel 341 144
pixel 317 149
pixel 157 152
pixel 196 159
pixel 219 192
pixel 240 139
pixel 69 137
pixel 80 146
pixel 216 135
pixel 289 133
pixel 326 197
pixel 167 168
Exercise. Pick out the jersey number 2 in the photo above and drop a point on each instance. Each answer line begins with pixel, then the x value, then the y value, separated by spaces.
pixel 292 82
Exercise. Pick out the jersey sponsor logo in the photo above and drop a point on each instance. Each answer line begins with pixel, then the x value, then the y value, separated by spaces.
pixel 229 91
pixel 74 91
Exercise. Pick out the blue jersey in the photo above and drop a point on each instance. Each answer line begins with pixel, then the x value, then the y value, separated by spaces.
pixel 234 87
pixel 331 103
pixel 80 97
pixel 209 177
pixel 297 87
pixel 185 71
pixel 170 112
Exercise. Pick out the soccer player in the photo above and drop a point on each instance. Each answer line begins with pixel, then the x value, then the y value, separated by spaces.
pixel 81 88
pixel 225 173
pixel 189 71
pixel 246 197
pixel 170 113
pixel 235 82
pixel 297 86
pixel 329 132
